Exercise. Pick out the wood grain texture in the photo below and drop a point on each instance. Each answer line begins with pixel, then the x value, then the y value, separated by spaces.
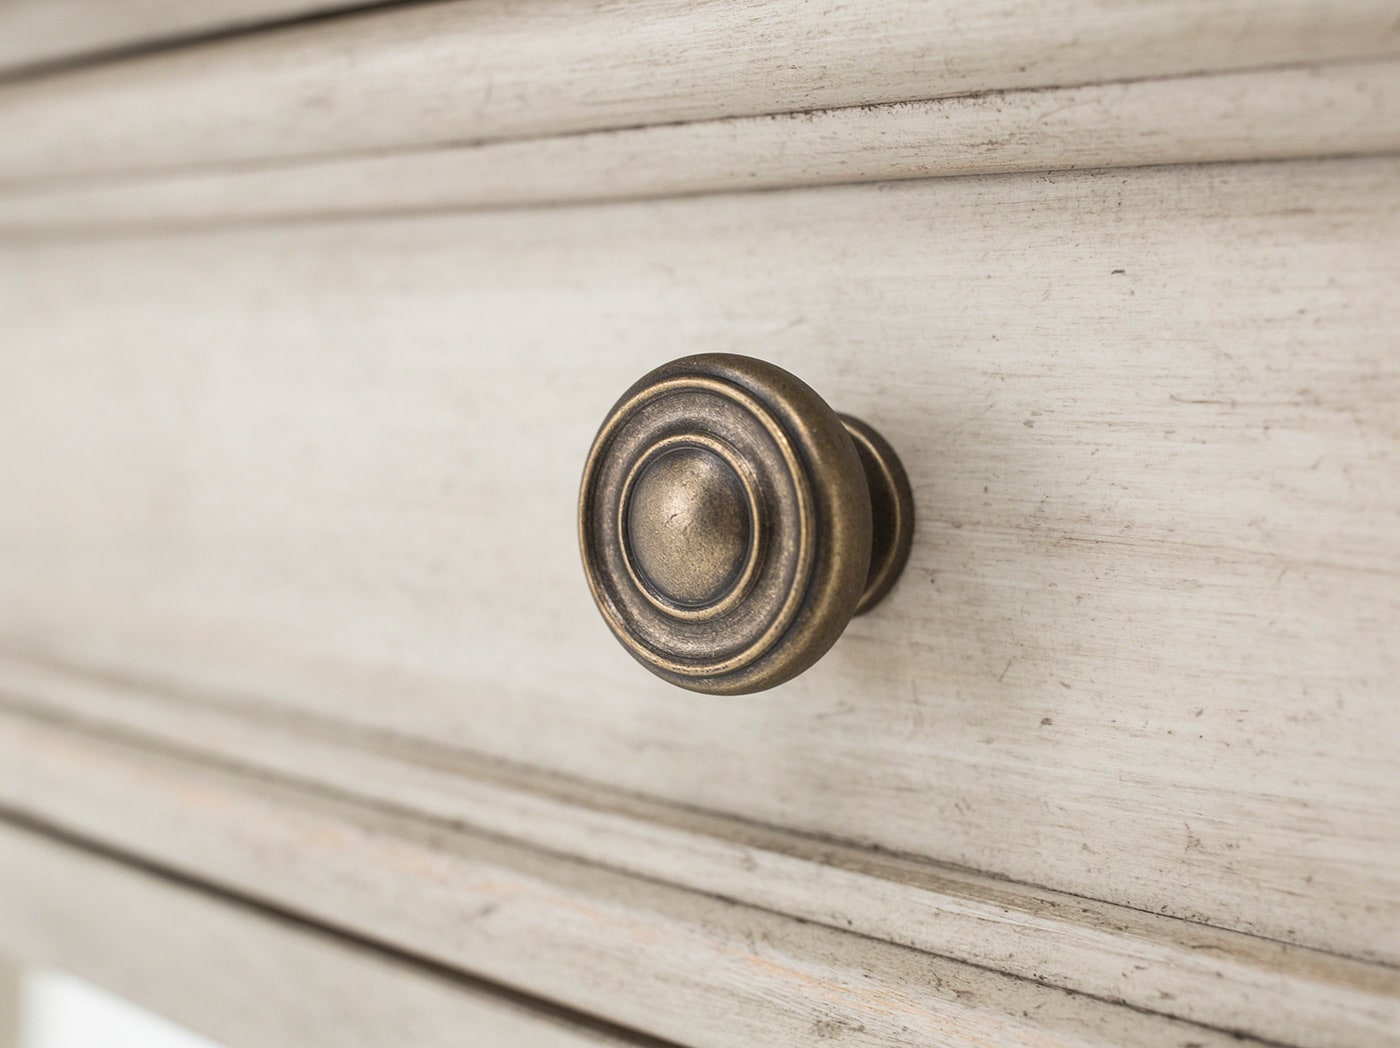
pixel 483 70
pixel 239 974
pixel 1131 658
pixel 39 32
pixel 677 965
pixel 1351 109
pixel 1155 964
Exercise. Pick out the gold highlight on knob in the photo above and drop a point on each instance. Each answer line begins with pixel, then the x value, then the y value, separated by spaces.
pixel 731 523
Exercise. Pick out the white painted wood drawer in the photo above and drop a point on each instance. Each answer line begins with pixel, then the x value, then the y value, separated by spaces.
pixel 1146 647
pixel 307 331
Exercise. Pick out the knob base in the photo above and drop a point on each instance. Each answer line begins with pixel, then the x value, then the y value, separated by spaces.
pixel 891 511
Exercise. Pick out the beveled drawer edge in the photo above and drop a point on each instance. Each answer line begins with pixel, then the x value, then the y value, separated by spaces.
pixel 1302 112
pixel 1219 978
pixel 647 957
pixel 441 74
pixel 155 939
pixel 41 37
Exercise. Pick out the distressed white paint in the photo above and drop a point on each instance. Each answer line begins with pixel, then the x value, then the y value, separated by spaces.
pixel 1157 964
pixel 686 967
pixel 478 70
pixel 241 976
pixel 313 485
pixel 38 32
pixel 1146 647
pixel 1341 110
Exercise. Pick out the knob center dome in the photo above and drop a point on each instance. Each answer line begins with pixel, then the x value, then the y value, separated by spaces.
pixel 688 526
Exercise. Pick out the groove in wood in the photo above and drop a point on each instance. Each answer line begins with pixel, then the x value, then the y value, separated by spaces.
pixel 1351 109
pixel 37 34
pixel 1222 979
pixel 694 969
pixel 238 973
pixel 485 70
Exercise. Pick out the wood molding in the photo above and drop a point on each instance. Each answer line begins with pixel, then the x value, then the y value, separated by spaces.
pixel 1339 110
pixel 1218 978
pixel 487 70
pixel 646 956
pixel 243 974
pixel 37 35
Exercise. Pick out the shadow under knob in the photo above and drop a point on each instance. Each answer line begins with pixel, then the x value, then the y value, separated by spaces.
pixel 731 523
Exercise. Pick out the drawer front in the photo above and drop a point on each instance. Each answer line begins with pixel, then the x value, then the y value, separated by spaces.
pixel 1146 646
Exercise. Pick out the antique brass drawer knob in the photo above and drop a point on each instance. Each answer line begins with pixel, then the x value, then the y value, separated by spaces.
pixel 731 523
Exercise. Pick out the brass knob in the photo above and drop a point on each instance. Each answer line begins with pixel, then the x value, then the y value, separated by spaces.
pixel 731 523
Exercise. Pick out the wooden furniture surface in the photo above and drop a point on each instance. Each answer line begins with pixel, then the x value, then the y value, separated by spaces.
pixel 308 325
pixel 42 35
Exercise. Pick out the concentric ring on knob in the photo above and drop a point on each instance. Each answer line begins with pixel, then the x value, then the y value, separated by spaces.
pixel 725 523
pixel 692 529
